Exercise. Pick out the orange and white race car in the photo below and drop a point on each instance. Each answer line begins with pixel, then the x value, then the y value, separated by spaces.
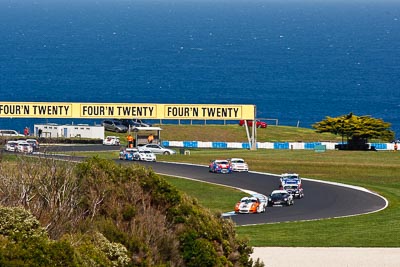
pixel 252 204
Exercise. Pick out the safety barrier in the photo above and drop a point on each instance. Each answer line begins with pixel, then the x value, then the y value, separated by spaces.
pixel 311 145
pixel 190 144
pixel 267 145
pixel 380 146
pixel 219 145
pixel 320 148
pixel 281 145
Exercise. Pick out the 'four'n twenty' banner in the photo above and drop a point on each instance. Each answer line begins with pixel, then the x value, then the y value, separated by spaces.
pixel 126 111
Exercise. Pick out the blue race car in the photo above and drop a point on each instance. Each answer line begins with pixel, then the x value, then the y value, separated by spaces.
pixel 128 154
pixel 220 166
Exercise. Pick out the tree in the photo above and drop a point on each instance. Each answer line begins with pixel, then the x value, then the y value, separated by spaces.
pixel 356 129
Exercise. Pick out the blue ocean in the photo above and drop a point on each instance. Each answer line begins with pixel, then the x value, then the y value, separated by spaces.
pixel 297 61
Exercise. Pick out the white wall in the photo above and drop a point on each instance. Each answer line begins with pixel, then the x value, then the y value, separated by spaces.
pixel 68 131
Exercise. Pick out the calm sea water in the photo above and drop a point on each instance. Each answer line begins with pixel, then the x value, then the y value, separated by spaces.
pixel 298 61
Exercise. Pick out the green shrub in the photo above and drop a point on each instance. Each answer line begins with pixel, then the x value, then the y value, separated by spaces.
pixel 128 212
pixel 23 242
pixel 94 249
pixel 87 253
pixel 119 215
pixel 169 221
pixel 19 224
pixel 36 253
pixel 199 251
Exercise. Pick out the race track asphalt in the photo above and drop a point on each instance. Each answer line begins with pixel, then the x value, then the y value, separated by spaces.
pixel 322 200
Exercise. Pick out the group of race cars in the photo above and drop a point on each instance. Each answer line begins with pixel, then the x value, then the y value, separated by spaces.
pixel 145 152
pixel 290 187
pixel 22 146
pixel 228 165
pixel 137 154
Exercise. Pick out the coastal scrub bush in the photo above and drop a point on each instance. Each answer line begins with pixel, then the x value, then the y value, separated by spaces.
pixel 94 249
pixel 108 214
pixel 19 224
pixel 23 242
pixel 166 226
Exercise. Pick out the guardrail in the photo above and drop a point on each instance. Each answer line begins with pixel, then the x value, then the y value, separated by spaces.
pixel 316 146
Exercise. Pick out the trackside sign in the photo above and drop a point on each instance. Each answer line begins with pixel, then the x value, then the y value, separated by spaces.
pixel 117 111
pixel 35 110
pixel 125 110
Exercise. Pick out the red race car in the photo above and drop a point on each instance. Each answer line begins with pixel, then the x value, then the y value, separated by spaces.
pixel 220 166
pixel 259 124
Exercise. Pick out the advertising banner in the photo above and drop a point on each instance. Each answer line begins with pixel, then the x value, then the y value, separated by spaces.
pixel 126 111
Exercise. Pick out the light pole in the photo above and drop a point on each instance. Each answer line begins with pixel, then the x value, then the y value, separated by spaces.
pixel 342 130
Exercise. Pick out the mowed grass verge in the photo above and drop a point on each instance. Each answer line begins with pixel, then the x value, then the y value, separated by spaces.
pixel 236 133
pixel 376 171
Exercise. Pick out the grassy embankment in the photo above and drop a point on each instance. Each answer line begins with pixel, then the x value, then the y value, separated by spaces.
pixel 377 171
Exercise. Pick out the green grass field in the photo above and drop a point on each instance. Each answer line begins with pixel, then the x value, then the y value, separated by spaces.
pixel 236 133
pixel 377 171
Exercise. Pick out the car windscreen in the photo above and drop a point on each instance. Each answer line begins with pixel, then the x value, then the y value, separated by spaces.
pixel 290 187
pixel 279 195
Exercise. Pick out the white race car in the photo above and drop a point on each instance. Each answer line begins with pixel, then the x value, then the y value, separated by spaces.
pixel 295 190
pixel 34 143
pixel 24 147
pixel 252 204
pixel 145 155
pixel 290 178
pixel 238 165
pixel 11 146
pixel 111 141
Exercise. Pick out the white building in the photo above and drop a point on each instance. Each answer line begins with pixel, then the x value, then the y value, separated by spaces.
pixel 53 130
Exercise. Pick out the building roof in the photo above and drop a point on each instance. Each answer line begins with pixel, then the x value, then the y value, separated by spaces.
pixel 146 128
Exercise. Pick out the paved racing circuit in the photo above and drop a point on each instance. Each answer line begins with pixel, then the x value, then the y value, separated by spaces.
pixel 322 200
